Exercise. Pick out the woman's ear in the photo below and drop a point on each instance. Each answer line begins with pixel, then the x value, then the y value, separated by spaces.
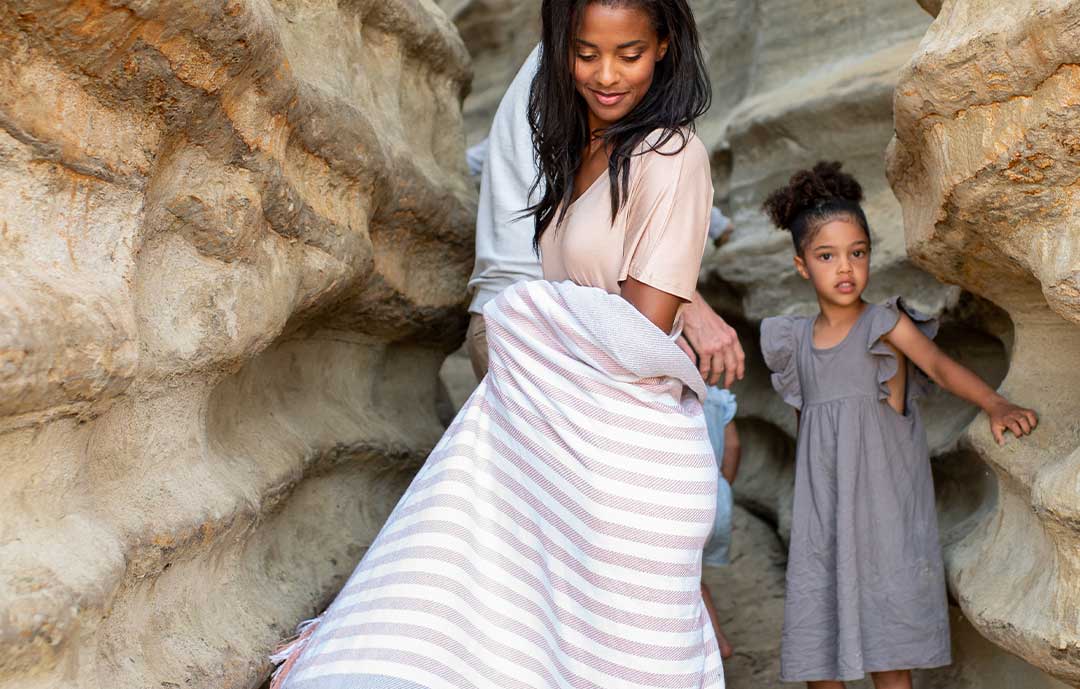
pixel 662 50
pixel 800 266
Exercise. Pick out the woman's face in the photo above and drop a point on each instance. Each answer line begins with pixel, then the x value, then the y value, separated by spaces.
pixel 614 58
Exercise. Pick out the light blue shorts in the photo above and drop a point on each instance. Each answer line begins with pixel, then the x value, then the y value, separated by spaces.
pixel 720 408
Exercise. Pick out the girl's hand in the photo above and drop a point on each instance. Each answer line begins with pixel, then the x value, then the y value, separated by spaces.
pixel 957 379
pixel 1006 416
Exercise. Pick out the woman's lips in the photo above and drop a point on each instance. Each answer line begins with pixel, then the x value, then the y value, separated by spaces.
pixel 608 99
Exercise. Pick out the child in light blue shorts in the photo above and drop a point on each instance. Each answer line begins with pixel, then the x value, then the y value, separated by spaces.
pixel 720 410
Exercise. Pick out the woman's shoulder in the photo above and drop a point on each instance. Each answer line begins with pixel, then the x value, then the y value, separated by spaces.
pixel 665 149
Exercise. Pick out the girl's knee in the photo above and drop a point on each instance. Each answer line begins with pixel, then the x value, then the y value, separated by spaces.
pixel 893 679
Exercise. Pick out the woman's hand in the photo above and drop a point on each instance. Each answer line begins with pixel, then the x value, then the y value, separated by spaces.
pixel 1006 416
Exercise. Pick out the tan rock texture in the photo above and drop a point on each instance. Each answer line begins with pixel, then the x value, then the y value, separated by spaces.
pixel 234 240
pixel 986 164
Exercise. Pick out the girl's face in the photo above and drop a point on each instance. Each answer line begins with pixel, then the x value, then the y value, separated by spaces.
pixel 837 262
pixel 614 57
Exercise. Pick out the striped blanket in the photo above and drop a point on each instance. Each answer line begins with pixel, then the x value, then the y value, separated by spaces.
pixel 553 538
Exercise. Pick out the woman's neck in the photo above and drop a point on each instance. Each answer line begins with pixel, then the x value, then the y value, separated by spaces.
pixel 596 126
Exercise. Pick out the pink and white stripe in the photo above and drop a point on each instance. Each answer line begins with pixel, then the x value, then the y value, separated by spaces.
pixel 553 538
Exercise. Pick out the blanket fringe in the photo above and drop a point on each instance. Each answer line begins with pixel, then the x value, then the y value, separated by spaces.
pixel 287 653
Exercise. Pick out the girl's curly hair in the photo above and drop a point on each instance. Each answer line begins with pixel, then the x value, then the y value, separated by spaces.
pixel 813 198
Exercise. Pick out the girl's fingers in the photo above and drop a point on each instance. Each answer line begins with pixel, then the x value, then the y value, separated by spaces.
pixel 998 432
pixel 1014 426
pixel 1032 417
pixel 1025 423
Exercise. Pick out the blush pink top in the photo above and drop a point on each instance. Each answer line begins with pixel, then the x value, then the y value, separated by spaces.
pixel 658 235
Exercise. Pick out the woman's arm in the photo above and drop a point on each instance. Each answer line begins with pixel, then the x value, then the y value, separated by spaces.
pixel 656 305
pixel 960 381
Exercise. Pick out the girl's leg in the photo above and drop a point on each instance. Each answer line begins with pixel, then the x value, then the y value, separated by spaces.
pixel 726 650
pixel 893 679
pixel 829 684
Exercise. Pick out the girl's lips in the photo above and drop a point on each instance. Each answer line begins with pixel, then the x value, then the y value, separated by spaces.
pixel 845 287
pixel 608 99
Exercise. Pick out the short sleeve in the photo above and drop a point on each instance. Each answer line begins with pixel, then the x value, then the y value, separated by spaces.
pixel 884 319
pixel 668 207
pixel 778 347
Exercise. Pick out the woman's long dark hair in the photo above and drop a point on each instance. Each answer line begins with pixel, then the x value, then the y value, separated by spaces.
pixel 558 115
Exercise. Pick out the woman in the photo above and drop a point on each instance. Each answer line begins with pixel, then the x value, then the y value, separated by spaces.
pixel 553 538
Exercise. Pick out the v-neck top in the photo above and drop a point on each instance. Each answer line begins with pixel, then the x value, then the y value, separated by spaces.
pixel 658 235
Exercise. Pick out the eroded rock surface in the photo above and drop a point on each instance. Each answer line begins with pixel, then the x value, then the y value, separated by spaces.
pixel 234 239
pixel 986 164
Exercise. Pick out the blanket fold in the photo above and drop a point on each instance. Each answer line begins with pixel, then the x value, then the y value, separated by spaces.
pixel 553 537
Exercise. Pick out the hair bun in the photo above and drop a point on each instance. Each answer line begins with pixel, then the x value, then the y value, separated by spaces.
pixel 808 188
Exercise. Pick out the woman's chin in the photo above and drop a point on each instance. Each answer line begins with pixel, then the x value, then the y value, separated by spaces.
pixel 608 114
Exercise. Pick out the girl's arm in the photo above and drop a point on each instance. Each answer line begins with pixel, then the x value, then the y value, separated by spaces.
pixel 960 381
pixel 656 305
pixel 729 465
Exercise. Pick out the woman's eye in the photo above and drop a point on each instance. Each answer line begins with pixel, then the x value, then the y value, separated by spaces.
pixel 632 58
pixel 586 58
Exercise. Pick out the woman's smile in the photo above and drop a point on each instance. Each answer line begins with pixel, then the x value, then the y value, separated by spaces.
pixel 608 98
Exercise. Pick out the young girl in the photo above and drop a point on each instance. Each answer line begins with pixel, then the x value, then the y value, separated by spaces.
pixel 865 581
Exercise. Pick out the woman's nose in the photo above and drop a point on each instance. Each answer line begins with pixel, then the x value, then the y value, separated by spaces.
pixel 607 74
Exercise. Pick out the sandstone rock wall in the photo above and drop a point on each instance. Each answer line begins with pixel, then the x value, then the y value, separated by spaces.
pixel 986 164
pixel 234 239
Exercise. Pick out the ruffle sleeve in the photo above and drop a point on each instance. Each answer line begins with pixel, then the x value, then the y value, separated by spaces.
pixel 778 347
pixel 884 320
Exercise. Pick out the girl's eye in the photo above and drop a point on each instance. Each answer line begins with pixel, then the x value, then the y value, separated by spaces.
pixel 824 257
pixel 858 253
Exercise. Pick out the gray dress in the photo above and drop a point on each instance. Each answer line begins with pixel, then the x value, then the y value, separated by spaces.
pixel 865 581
